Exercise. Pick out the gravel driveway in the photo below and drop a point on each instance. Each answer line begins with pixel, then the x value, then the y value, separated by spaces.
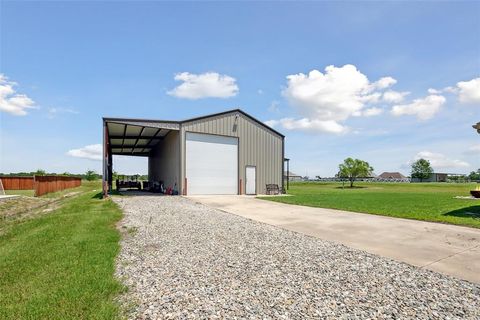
pixel 181 259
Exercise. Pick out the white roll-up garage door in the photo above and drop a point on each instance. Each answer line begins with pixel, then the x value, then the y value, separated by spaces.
pixel 211 164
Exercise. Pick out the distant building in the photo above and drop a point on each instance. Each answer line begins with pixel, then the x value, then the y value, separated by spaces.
pixel 392 176
pixel 292 176
pixel 434 177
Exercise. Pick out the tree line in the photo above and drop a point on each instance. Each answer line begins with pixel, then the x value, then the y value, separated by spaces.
pixel 353 169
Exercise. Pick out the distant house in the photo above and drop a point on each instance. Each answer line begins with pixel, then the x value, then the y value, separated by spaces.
pixel 292 176
pixel 434 177
pixel 392 176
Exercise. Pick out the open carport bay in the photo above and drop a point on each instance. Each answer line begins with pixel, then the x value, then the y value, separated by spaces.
pixel 184 259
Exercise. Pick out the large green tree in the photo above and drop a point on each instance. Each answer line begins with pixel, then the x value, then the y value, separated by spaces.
pixel 474 175
pixel 40 172
pixel 91 175
pixel 421 169
pixel 353 169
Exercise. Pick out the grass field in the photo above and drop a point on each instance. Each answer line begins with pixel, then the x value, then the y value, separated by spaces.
pixel 27 193
pixel 421 201
pixel 60 264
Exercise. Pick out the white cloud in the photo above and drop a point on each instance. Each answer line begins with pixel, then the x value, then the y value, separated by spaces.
pixel 469 91
pixel 92 152
pixel 11 101
pixel 305 124
pixel 423 109
pixel 384 83
pixel 371 98
pixel 450 90
pixel 370 112
pixel 53 112
pixel 475 149
pixel 274 106
pixel 439 161
pixel 205 85
pixel 325 100
pixel 391 96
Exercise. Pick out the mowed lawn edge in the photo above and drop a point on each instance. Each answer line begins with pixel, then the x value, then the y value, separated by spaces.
pixel 434 202
pixel 61 265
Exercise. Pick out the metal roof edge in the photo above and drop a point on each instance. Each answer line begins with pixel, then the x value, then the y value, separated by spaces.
pixel 107 119
pixel 137 119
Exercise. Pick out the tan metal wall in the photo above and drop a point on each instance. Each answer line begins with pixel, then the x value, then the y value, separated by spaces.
pixel 258 147
pixel 164 161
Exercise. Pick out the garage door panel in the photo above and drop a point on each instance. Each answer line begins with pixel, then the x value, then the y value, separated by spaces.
pixel 211 164
pixel 212 139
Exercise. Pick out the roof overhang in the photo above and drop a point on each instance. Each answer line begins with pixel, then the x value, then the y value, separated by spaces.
pixel 136 137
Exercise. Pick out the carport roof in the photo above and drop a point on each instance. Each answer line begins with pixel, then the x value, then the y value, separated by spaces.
pixel 136 137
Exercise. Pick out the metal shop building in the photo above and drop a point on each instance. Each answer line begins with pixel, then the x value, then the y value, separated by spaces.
pixel 224 153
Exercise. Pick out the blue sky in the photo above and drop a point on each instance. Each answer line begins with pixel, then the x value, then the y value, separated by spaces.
pixel 67 64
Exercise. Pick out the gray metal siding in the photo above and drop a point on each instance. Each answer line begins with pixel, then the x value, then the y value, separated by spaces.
pixel 258 147
pixel 164 161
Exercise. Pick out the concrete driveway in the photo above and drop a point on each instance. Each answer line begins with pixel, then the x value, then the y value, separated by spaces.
pixel 443 248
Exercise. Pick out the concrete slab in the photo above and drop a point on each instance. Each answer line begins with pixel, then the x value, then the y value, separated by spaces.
pixel 449 249
pixel 8 197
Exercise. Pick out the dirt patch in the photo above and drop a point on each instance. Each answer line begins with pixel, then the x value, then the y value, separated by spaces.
pixel 12 207
pixel 25 207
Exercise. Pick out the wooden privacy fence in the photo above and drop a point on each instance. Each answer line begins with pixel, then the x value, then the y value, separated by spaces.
pixel 17 183
pixel 47 184
pixel 41 184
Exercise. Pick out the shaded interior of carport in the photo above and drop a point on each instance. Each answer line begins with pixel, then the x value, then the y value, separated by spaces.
pixel 130 137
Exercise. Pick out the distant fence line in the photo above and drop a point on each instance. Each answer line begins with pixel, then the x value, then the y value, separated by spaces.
pixel 41 184
pixel 405 180
pixel 47 184
pixel 362 180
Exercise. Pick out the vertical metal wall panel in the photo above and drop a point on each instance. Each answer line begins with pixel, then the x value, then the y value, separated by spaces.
pixel 181 183
pixel 164 161
pixel 258 147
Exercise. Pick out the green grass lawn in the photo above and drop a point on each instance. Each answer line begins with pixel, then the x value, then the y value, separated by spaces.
pixel 86 185
pixel 421 201
pixel 60 264
pixel 27 193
